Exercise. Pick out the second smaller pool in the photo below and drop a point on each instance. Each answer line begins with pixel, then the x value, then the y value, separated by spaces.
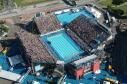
pixel 62 45
pixel 67 17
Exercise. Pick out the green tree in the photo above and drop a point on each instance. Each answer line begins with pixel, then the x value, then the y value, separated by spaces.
pixel 3 28
pixel 70 2
pixel 118 2
pixel 117 12
pixel 1 4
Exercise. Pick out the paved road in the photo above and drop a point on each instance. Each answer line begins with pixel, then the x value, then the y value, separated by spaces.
pixel 38 8
pixel 23 10
pixel 4 81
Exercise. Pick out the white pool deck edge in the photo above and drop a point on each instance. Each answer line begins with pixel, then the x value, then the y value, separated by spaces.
pixel 52 32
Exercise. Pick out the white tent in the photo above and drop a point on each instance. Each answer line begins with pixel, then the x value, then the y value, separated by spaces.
pixel 9 75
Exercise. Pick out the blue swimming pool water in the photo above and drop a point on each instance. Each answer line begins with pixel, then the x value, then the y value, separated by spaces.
pixel 62 45
pixel 67 17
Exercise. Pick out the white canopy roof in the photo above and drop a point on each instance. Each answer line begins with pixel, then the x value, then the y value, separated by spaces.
pixel 85 59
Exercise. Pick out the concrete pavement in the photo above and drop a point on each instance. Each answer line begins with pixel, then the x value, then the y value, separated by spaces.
pixel 26 9
pixel 38 8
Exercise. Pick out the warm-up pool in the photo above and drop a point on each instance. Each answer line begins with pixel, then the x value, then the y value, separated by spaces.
pixel 62 46
pixel 67 17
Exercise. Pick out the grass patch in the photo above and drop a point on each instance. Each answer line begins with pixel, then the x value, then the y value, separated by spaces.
pixel 124 8
pixel 106 3
pixel 1 4
pixel 29 2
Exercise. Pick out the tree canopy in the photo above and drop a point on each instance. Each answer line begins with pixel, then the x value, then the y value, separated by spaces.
pixel 3 28
pixel 70 2
pixel 117 2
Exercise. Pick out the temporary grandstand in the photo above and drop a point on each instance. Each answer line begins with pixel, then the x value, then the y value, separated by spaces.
pixel 47 23
pixel 89 31
pixel 33 50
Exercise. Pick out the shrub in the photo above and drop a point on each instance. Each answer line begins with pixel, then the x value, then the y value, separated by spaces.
pixel 114 11
pixel 3 28
pixel 118 2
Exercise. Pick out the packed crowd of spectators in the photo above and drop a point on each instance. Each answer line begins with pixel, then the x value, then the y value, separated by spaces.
pixel 87 29
pixel 35 50
pixel 79 41
pixel 47 24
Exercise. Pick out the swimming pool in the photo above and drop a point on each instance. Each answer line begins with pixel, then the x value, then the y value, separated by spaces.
pixel 67 17
pixel 62 46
